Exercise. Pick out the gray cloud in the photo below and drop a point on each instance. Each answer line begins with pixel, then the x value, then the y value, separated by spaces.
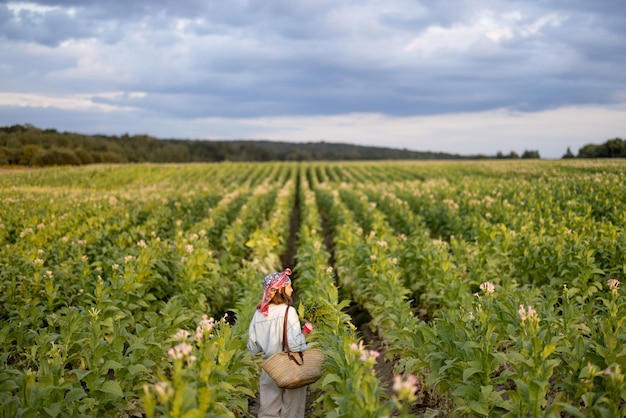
pixel 242 59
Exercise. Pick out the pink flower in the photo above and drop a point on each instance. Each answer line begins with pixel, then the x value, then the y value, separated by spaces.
pixel 367 355
pixel 357 347
pixel 522 313
pixel 180 351
pixel 406 387
pixel 529 314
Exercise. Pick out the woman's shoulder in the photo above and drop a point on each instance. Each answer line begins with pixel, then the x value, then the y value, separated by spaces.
pixel 280 309
pixel 282 306
pixel 275 309
pixel 293 312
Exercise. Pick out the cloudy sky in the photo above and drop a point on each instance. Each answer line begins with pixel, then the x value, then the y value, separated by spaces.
pixel 455 76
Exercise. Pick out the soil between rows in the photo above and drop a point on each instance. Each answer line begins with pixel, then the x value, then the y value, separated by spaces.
pixel 360 317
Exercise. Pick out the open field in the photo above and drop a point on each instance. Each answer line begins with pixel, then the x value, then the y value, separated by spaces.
pixel 127 290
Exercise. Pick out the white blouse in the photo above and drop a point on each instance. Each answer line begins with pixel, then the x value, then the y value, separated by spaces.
pixel 266 332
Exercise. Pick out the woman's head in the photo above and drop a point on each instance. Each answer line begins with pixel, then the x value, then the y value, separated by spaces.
pixel 276 289
pixel 283 295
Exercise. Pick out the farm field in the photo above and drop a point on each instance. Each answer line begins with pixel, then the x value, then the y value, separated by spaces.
pixel 440 289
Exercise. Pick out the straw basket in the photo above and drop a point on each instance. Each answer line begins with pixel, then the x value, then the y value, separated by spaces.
pixel 291 370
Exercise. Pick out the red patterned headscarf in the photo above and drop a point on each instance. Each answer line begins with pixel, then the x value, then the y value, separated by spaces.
pixel 271 284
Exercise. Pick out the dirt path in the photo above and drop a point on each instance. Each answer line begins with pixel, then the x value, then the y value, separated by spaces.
pixel 288 258
pixel 360 317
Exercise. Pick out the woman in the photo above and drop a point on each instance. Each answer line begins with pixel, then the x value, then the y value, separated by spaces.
pixel 265 336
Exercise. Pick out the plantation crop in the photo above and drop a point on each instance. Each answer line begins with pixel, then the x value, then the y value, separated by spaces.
pixel 492 288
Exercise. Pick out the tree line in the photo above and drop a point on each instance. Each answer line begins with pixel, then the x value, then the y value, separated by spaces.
pixel 613 148
pixel 27 145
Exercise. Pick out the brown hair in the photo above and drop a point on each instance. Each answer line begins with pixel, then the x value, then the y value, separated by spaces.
pixel 281 297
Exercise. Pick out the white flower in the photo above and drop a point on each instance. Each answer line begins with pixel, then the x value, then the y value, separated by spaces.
pixel 488 288
pixel 613 285
pixel 26 232
pixel 164 391
pixel 94 312
pixel 181 335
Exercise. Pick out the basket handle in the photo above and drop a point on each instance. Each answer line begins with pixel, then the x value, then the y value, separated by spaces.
pixel 290 355
pixel 286 343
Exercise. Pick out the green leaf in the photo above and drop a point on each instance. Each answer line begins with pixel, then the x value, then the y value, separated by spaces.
pixel 112 387
pixel 571 410
pixel 80 374
pixel 470 371
pixel 136 346
pixel 547 350
pixel 467 391
pixel 112 364
pixel 8 386
pixel 133 369
pixel 53 410
pixel 330 378
pixel 479 407
pixel 75 394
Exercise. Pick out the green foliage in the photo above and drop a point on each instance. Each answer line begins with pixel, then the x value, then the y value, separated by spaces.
pixel 612 148
pixel 498 285
pixel 4 156
pixel 72 148
pixel 55 157
pixel 531 154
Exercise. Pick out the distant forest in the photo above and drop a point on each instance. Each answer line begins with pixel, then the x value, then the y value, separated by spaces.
pixel 27 145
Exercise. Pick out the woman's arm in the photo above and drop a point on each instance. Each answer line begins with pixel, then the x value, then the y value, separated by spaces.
pixel 252 345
